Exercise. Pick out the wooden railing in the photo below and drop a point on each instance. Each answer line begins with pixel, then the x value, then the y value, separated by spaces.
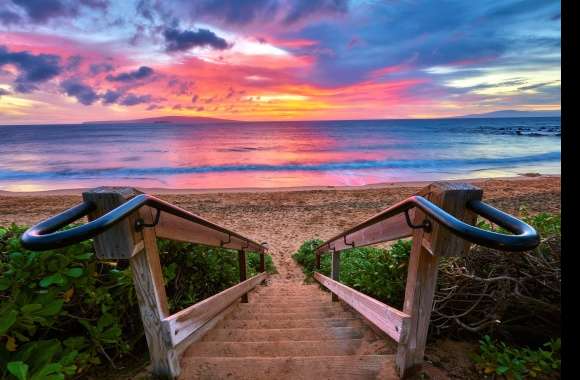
pixel 440 220
pixel 125 224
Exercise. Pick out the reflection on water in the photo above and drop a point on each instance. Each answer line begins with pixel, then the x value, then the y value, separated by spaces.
pixel 274 154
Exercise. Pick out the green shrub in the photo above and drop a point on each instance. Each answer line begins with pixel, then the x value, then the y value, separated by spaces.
pixel 379 273
pixel 517 363
pixel 63 312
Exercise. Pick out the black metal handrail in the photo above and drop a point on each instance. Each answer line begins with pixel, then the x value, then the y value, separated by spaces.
pixel 43 236
pixel 525 237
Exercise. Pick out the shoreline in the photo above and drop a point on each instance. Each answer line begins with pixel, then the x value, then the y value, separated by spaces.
pixel 234 190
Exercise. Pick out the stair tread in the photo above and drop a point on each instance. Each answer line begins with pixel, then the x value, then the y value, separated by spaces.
pixel 289 348
pixel 247 314
pixel 295 334
pixel 302 367
pixel 288 323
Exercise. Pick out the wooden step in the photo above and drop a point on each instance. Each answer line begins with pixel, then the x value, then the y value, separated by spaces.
pixel 310 299
pixel 285 308
pixel 320 368
pixel 291 294
pixel 250 314
pixel 294 334
pixel 277 349
pixel 288 323
pixel 285 302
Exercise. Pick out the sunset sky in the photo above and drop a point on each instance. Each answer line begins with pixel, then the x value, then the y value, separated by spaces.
pixel 71 61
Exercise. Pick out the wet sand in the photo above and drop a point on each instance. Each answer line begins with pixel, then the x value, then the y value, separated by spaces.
pixel 286 217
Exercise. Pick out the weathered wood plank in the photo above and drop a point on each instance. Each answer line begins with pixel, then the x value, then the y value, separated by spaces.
pixel 389 229
pixel 422 269
pixel 451 197
pixel 175 228
pixel 243 264
pixel 187 321
pixel 150 290
pixel 335 271
pixel 393 322
pixel 123 241
pixel 120 241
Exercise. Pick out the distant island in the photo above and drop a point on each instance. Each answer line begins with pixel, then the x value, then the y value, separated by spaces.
pixel 512 113
pixel 166 120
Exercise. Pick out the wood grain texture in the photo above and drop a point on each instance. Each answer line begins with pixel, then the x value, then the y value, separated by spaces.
pixel 451 197
pixel 423 265
pixel 296 368
pixel 175 228
pixel 386 230
pixel 150 290
pixel 187 321
pixel 391 321
pixel 119 241
pixel 335 271
pixel 243 265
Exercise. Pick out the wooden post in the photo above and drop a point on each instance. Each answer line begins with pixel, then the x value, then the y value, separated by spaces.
pixel 262 268
pixel 335 273
pixel 242 263
pixel 318 261
pixel 124 241
pixel 422 271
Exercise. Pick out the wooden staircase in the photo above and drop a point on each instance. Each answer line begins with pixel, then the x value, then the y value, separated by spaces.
pixel 289 330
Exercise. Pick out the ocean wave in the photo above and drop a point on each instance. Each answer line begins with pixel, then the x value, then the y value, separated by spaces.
pixel 423 164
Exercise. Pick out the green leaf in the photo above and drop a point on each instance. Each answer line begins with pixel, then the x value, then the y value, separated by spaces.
pixel 30 308
pixel 50 371
pixel 52 308
pixel 7 320
pixel 84 256
pixel 502 369
pixel 56 278
pixel 74 272
pixel 18 369
pixel 5 283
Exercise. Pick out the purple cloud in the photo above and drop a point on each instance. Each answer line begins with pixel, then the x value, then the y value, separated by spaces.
pixel 82 92
pixel 33 69
pixel 141 73
pixel 177 40
pixel 98 68
pixel 132 99
pixel 111 96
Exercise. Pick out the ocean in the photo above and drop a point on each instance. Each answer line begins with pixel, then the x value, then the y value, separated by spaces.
pixel 274 154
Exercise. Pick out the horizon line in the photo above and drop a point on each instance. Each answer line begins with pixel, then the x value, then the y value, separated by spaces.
pixel 218 119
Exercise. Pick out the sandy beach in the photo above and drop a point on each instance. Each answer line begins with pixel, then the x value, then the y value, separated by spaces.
pixel 286 217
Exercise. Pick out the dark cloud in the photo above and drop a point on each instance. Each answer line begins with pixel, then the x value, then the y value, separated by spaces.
pixel 33 69
pixel 96 4
pixel 73 62
pixel 111 96
pixel 301 9
pixel 141 73
pixel 98 68
pixel 82 92
pixel 181 87
pixel 235 12
pixel 177 40
pixel 8 17
pixel 153 107
pixel 4 92
pixel 194 98
pixel 132 99
pixel 41 11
